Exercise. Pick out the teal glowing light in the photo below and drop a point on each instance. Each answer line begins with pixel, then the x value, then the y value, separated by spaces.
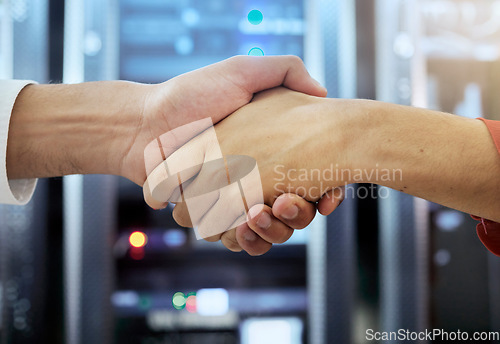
pixel 179 301
pixel 256 52
pixel 255 17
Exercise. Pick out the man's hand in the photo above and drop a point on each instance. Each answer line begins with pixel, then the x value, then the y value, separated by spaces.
pixel 214 91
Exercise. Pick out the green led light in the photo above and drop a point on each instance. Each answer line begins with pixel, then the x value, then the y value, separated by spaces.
pixel 255 17
pixel 256 52
pixel 179 300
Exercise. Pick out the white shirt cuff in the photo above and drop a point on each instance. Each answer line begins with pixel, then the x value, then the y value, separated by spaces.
pixel 17 191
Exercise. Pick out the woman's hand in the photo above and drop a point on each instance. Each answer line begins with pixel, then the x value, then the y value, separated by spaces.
pixel 279 130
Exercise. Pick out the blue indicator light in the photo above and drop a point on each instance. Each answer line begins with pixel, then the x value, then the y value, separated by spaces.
pixel 255 17
pixel 256 52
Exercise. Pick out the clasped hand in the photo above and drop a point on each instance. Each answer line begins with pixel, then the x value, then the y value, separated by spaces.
pixel 230 199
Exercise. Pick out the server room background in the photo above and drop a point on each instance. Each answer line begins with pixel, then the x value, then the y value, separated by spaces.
pixel 86 261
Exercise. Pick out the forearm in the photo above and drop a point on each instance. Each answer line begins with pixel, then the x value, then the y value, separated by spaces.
pixel 443 158
pixel 58 130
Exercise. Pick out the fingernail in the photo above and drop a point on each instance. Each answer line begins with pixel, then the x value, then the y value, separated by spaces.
pixel 290 213
pixel 250 236
pixel 253 212
pixel 264 221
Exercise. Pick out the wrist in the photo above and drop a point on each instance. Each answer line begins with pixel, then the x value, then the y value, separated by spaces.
pixel 71 129
pixel 345 129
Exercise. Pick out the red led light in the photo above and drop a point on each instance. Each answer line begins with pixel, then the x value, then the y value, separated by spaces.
pixel 191 304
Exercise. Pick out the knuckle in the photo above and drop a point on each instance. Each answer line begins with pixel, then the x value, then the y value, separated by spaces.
pixel 295 59
pixel 238 59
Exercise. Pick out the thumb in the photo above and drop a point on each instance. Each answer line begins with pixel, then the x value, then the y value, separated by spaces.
pixel 162 147
pixel 164 183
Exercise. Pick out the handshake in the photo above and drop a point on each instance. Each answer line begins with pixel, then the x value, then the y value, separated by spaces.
pixel 249 148
pixel 228 181
pixel 251 111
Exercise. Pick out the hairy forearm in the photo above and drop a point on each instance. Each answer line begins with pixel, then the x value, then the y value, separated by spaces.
pixel 58 130
pixel 440 157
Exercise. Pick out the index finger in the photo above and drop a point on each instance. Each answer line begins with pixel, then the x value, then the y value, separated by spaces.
pixel 273 71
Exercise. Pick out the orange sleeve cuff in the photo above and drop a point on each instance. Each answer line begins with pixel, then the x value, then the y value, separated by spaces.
pixel 489 231
pixel 494 128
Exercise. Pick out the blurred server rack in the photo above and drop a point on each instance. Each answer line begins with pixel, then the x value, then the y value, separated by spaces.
pixel 463 79
pixel 162 39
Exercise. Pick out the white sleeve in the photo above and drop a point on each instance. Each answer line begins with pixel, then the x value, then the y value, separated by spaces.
pixel 17 191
